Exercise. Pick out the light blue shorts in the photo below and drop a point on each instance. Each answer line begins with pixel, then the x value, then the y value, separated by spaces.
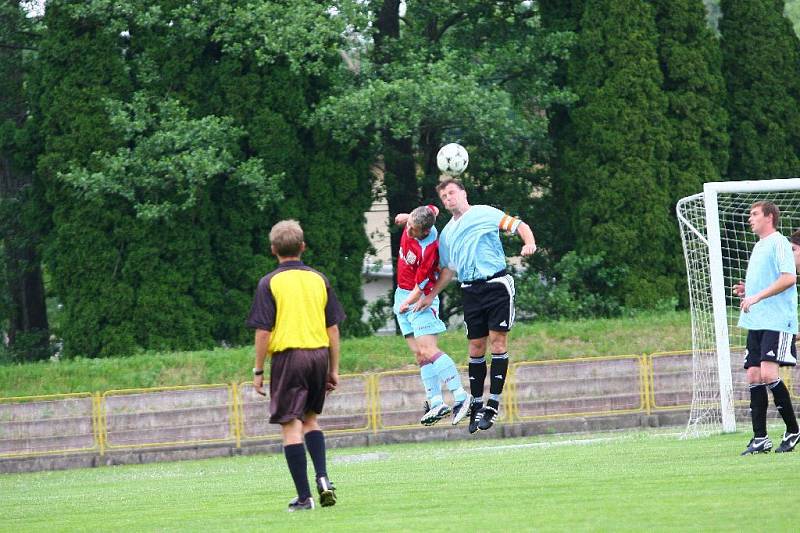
pixel 426 322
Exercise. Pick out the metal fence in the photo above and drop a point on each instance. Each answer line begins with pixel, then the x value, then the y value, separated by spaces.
pixel 233 413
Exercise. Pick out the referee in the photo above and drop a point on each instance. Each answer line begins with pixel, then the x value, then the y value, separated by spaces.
pixel 296 316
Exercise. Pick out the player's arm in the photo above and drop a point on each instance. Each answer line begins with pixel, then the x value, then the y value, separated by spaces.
pixel 444 278
pixel 261 344
pixel 333 357
pixel 412 298
pixel 401 218
pixel 784 281
pixel 526 234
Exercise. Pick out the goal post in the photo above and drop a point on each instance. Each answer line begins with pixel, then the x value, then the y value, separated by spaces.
pixel 717 242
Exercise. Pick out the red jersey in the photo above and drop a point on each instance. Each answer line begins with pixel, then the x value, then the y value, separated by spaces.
pixel 418 262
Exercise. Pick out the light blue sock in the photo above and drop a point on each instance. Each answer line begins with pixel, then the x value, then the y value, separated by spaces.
pixel 448 373
pixel 430 380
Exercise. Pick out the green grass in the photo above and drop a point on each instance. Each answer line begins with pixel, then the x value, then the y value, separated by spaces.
pixel 634 481
pixel 643 333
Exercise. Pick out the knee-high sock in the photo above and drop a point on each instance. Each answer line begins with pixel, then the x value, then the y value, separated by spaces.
pixel 296 459
pixel 499 371
pixel 780 394
pixel 448 374
pixel 477 375
pixel 315 443
pixel 430 380
pixel 758 408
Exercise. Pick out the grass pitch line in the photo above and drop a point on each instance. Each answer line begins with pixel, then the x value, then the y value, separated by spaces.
pixel 572 442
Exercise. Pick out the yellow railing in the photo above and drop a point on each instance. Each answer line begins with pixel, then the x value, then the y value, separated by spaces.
pixel 233 413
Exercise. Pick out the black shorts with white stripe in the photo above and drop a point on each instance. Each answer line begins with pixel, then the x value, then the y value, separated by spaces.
pixel 488 305
pixel 766 345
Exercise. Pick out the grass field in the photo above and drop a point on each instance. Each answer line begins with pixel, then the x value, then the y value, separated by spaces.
pixel 635 481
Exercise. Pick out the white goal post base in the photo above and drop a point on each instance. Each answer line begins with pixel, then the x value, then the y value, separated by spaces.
pixel 717 242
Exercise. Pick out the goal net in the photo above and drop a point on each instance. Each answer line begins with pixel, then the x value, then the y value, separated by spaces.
pixel 717 242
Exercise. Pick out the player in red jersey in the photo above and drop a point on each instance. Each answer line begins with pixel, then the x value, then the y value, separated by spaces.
pixel 417 272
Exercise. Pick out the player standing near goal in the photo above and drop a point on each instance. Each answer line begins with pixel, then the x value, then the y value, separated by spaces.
pixel 769 313
pixel 296 316
pixel 417 272
pixel 470 246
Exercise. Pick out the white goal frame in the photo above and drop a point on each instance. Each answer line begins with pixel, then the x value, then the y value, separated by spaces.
pixel 712 239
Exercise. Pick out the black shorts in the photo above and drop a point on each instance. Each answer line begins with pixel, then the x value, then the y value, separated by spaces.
pixel 766 345
pixel 297 384
pixel 488 306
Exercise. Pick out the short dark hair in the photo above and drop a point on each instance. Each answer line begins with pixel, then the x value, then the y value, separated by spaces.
pixel 449 181
pixel 795 238
pixel 286 238
pixel 768 208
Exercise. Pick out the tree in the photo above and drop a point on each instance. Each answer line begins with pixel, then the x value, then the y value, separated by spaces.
pixel 691 65
pixel 174 137
pixel 760 54
pixel 612 177
pixel 23 313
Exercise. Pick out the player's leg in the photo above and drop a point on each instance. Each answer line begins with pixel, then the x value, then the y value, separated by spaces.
pixel 499 305
pixel 447 373
pixel 426 325
pixel 758 395
pixel 429 378
pixel 476 370
pixel 781 353
pixel 427 374
pixel 498 343
pixel 477 333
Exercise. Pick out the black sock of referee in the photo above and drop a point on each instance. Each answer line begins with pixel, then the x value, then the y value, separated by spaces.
pixel 784 404
pixel 477 375
pixel 315 443
pixel 758 409
pixel 296 459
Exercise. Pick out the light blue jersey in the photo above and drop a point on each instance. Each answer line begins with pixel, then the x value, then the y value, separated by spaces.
pixel 771 256
pixel 471 245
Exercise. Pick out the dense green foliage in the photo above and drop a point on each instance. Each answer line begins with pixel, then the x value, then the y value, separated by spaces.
pixel 152 144
pixel 613 180
pixel 691 65
pixel 577 287
pixel 760 56
pixel 166 156
pixel 23 313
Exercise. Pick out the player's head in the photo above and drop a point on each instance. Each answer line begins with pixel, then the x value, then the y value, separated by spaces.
pixel 420 222
pixel 452 194
pixel 794 239
pixel 764 217
pixel 286 239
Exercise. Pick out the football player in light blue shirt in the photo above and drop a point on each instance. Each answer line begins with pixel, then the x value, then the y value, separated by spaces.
pixel 769 313
pixel 470 247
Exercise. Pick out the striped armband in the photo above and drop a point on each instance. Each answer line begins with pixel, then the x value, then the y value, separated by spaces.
pixel 509 224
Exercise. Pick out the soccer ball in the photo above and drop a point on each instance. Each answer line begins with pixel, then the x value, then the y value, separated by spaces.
pixel 452 159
